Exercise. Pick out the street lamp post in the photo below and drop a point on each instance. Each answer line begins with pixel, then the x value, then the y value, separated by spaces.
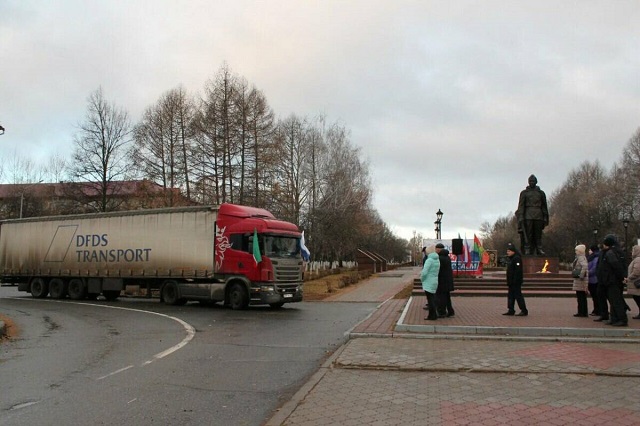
pixel 625 223
pixel 595 235
pixel 22 194
pixel 438 224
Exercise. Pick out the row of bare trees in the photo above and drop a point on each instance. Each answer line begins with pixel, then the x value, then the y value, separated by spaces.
pixel 227 145
pixel 591 203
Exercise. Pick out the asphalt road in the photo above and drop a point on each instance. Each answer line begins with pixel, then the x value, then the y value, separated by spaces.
pixel 136 361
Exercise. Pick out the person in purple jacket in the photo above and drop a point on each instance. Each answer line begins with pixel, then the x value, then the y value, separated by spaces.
pixel 592 259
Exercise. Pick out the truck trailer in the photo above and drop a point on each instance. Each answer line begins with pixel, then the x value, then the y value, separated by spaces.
pixel 234 254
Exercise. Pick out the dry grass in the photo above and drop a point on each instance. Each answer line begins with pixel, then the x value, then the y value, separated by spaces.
pixel 405 293
pixel 11 328
pixel 321 288
pixel 330 285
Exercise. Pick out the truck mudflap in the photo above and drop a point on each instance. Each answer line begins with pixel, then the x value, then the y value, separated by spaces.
pixel 276 294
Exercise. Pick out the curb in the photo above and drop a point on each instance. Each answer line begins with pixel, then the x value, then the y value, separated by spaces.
pixel 289 407
pixel 511 333
pixel 506 337
pixel 531 332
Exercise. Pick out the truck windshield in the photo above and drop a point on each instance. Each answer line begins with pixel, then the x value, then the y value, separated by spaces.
pixel 277 246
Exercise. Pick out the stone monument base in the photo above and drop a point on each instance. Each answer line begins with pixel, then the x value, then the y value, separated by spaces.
pixel 536 264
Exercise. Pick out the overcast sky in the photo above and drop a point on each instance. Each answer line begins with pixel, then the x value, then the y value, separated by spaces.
pixel 453 103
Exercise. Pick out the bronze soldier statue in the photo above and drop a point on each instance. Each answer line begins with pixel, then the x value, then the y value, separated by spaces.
pixel 533 216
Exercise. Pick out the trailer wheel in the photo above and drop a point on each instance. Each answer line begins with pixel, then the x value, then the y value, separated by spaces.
pixel 238 298
pixel 77 290
pixel 39 288
pixel 170 293
pixel 111 295
pixel 57 288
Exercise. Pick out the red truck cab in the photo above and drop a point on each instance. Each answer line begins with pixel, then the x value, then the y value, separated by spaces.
pixel 277 277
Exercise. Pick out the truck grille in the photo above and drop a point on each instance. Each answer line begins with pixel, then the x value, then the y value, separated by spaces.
pixel 288 288
pixel 287 270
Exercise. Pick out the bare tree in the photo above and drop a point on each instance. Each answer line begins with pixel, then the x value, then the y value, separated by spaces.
pixel 163 143
pixel 291 189
pixel 56 169
pixel 254 142
pixel 216 149
pixel 24 176
pixel 102 153
pixel 261 126
pixel 630 170
pixel 578 206
pixel 344 215
pixel 23 170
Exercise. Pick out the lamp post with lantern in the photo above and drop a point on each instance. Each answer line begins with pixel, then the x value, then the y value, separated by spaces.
pixel 438 224
pixel 625 223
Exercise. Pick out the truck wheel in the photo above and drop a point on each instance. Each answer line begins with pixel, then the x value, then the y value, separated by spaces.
pixel 170 293
pixel 57 288
pixel 111 295
pixel 39 288
pixel 77 290
pixel 238 298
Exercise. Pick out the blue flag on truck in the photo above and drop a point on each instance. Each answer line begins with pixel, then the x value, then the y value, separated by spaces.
pixel 306 254
pixel 256 247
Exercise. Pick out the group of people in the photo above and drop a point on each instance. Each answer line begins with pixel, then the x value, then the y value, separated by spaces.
pixel 603 275
pixel 437 281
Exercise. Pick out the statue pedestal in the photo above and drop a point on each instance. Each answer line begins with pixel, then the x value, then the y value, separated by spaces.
pixel 536 264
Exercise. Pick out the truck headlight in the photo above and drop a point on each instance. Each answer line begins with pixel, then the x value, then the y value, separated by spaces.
pixel 267 288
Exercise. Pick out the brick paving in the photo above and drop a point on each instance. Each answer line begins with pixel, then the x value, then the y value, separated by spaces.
pixel 429 376
pixel 356 397
pixel 478 355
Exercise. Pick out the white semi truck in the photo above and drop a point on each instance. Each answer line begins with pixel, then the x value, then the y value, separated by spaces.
pixel 187 253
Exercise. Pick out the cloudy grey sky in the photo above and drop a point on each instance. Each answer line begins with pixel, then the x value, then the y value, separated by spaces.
pixel 453 103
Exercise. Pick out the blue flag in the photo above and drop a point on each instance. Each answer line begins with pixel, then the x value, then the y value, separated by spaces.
pixel 306 254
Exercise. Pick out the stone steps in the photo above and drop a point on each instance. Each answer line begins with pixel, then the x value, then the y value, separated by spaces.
pixel 494 286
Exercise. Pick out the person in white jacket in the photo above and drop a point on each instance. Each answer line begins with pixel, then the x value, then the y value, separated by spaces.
pixel 581 282
pixel 633 276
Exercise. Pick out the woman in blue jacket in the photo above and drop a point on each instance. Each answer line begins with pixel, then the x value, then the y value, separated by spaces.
pixel 429 278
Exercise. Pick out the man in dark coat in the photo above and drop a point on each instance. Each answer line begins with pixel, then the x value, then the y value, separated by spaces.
pixel 611 271
pixel 533 216
pixel 445 283
pixel 515 277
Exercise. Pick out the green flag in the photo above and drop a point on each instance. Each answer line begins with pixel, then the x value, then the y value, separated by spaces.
pixel 256 247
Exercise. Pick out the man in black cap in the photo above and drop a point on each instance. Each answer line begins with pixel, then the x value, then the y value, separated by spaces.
pixel 533 216
pixel 445 283
pixel 611 272
pixel 515 277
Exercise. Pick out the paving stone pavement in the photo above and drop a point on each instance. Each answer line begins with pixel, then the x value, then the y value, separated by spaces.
pixel 439 379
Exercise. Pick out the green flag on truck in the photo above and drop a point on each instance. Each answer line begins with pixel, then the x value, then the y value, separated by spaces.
pixel 256 247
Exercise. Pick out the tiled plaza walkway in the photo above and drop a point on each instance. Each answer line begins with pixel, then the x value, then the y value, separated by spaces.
pixel 477 368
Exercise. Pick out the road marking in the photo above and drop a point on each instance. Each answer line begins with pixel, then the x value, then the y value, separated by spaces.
pixel 115 372
pixel 23 405
pixel 191 332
